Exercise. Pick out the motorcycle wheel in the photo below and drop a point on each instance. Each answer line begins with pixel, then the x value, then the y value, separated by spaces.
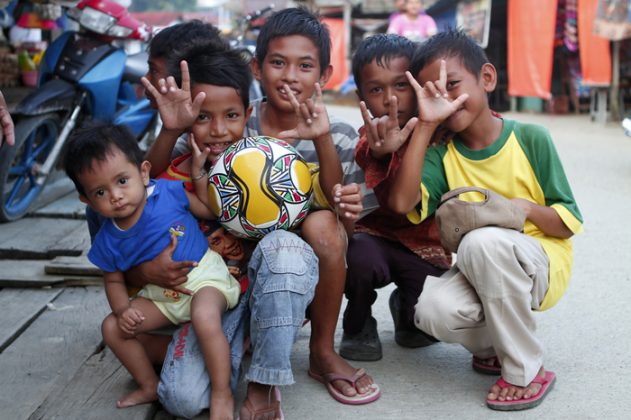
pixel 34 139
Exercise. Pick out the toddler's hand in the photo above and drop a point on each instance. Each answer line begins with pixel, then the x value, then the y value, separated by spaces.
pixel 178 111
pixel 348 201
pixel 129 319
pixel 313 120
pixel 199 157
pixel 383 133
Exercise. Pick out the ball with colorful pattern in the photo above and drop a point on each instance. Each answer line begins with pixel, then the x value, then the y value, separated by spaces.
pixel 258 185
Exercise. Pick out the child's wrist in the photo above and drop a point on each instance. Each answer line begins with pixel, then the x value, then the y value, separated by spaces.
pixel 202 173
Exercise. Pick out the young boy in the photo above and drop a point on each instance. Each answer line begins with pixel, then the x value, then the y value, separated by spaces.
pixel 386 247
pixel 109 172
pixel 501 275
pixel 293 60
pixel 217 76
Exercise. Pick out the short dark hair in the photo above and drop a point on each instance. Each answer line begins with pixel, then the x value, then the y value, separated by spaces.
pixel 295 21
pixel 171 40
pixel 381 48
pixel 95 142
pixel 218 67
pixel 450 43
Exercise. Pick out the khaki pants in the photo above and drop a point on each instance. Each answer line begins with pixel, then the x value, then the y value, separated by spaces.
pixel 485 301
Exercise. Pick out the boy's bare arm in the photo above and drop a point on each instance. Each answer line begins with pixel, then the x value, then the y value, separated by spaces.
pixel 199 175
pixel 545 218
pixel 116 292
pixel 178 112
pixel 313 123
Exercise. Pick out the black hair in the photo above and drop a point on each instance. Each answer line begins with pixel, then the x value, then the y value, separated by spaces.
pixel 450 43
pixel 295 21
pixel 95 142
pixel 381 48
pixel 217 67
pixel 173 39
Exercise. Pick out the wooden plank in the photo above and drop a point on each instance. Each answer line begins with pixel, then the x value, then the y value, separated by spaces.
pixel 72 265
pixel 39 238
pixel 20 307
pixel 67 207
pixel 26 273
pixel 92 393
pixel 49 353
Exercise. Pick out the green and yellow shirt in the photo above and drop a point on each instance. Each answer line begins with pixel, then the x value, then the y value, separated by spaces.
pixel 523 163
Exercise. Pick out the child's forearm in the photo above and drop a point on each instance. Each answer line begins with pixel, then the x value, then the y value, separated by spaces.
pixel 405 191
pixel 545 218
pixel 199 209
pixel 330 172
pixel 159 154
pixel 116 292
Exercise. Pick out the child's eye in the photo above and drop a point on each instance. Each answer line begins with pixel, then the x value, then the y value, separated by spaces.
pixel 232 115
pixel 402 85
pixel 202 117
pixel 452 83
pixel 306 66
pixel 375 90
pixel 123 180
pixel 276 62
pixel 99 193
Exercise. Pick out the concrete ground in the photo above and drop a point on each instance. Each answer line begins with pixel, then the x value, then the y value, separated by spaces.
pixel 587 336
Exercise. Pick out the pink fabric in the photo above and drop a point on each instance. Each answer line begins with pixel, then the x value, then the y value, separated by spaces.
pixel 416 30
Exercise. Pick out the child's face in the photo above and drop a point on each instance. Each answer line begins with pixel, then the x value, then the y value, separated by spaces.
pixel 157 70
pixel 221 119
pixel 115 188
pixel 226 244
pixel 460 80
pixel 413 7
pixel 379 84
pixel 293 60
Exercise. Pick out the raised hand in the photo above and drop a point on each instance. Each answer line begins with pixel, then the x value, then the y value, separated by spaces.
pixel 383 133
pixel 199 157
pixel 434 104
pixel 178 110
pixel 313 120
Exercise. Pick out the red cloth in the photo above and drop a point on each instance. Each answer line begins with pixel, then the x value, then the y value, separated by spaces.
pixel 422 239
pixel 173 173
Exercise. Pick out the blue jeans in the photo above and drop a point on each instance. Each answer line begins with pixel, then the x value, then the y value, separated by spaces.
pixel 283 273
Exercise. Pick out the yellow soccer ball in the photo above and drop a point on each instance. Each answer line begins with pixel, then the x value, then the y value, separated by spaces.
pixel 258 185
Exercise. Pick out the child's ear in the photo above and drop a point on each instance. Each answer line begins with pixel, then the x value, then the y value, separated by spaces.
pixel 248 112
pixel 488 76
pixel 145 168
pixel 256 68
pixel 84 199
pixel 326 75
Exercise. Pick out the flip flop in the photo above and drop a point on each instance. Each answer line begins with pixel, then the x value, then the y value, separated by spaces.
pixel 479 366
pixel 546 382
pixel 328 378
pixel 273 408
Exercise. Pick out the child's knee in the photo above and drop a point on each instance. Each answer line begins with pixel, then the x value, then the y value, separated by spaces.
pixel 110 328
pixel 326 236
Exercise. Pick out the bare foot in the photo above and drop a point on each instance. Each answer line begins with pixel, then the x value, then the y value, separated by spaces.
pixel 261 403
pixel 221 405
pixel 331 362
pixel 515 392
pixel 139 396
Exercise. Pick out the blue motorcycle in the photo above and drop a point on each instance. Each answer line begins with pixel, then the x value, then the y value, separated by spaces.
pixel 84 75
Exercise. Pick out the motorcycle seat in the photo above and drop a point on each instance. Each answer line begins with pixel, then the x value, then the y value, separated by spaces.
pixel 135 67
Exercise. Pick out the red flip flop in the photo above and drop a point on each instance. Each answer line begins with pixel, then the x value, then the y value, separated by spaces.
pixel 328 378
pixel 478 364
pixel 547 382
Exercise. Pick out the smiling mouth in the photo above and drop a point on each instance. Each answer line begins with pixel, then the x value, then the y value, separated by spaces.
pixel 285 94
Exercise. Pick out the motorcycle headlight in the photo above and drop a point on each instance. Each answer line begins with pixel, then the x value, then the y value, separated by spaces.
pixel 119 31
pixel 96 21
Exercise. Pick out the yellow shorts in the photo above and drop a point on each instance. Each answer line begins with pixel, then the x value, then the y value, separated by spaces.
pixel 211 271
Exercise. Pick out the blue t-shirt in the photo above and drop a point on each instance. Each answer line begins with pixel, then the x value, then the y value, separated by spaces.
pixel 166 213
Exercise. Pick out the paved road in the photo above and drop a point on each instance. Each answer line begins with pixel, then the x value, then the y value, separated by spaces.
pixel 587 335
